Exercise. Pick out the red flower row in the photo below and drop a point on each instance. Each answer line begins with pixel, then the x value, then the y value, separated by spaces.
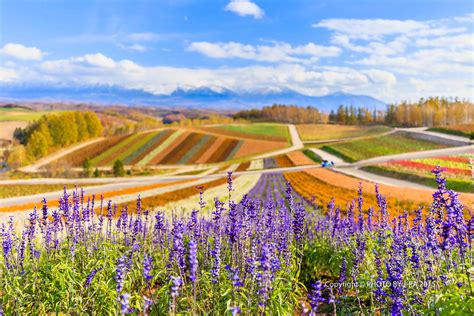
pixel 427 167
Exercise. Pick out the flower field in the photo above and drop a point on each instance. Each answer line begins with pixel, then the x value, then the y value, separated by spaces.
pixel 458 170
pixel 298 158
pixel 396 143
pixel 170 147
pixel 268 252
pixel 465 130
pixel 316 132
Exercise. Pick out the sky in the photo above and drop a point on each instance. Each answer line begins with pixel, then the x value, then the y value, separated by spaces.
pixel 392 49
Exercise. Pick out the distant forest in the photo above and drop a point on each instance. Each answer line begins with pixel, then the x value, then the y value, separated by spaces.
pixel 425 112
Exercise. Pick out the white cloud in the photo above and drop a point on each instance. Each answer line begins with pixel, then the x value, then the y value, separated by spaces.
pixel 456 41
pixel 20 51
pixel 377 29
pixel 244 8
pixel 278 52
pixel 98 60
pixel 381 77
pixel 371 28
pixel 7 75
pixel 133 47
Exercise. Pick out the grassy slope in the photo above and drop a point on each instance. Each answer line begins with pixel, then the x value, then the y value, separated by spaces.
pixel 19 114
pixel 379 146
pixel 260 129
pixel 311 155
pixel 310 132
pixel 453 184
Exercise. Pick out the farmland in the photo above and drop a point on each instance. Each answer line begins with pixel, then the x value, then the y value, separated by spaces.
pixel 271 132
pixel 397 143
pixel 319 132
pixel 169 147
pixel 21 114
pixel 458 171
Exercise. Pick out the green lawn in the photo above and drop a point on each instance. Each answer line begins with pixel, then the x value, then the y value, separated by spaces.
pixel 264 129
pixel 397 143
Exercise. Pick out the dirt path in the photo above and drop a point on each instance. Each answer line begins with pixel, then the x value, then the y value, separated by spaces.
pixel 296 144
pixel 424 130
pixel 47 160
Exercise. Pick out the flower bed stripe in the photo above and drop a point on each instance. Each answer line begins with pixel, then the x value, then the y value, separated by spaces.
pixel 166 151
pixel 223 152
pixel 210 140
pixel 181 149
pixel 152 154
pixel 214 146
pixel 145 137
pixel 235 150
pixel 77 158
pixel 196 148
pixel 153 143
pixel 109 155
pixel 424 166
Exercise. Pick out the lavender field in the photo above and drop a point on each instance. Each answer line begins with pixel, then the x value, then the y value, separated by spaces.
pixel 270 253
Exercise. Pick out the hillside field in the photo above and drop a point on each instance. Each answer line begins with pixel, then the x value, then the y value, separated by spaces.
pixel 171 147
pixel 263 131
pixel 396 143
pixel 316 132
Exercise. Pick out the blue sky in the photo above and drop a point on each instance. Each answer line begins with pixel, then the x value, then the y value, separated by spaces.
pixel 392 50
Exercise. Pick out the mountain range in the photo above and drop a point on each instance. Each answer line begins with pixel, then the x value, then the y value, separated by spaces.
pixel 203 98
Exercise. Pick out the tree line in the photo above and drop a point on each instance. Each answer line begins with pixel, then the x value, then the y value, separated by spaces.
pixel 53 131
pixel 425 112
pixel 430 112
pixel 284 114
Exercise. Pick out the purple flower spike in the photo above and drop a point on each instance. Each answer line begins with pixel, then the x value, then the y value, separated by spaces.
pixel 89 278
pixel 147 267
pixel 125 304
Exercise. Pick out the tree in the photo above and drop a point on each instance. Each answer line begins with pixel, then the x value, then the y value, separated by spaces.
pixel 96 173
pixel 118 168
pixel 86 165
pixel 82 130
pixel 20 135
pixel 341 115
pixel 18 157
pixel 37 145
pixel 94 126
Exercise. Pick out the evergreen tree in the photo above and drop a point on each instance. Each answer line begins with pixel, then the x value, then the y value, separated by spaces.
pixel 118 168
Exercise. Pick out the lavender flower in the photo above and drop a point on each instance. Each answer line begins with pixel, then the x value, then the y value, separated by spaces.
pixel 125 304
pixel 193 262
pixel 176 282
pixel 89 278
pixel 120 273
pixel 177 251
pixel 342 274
pixel 315 296
pixel 147 267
